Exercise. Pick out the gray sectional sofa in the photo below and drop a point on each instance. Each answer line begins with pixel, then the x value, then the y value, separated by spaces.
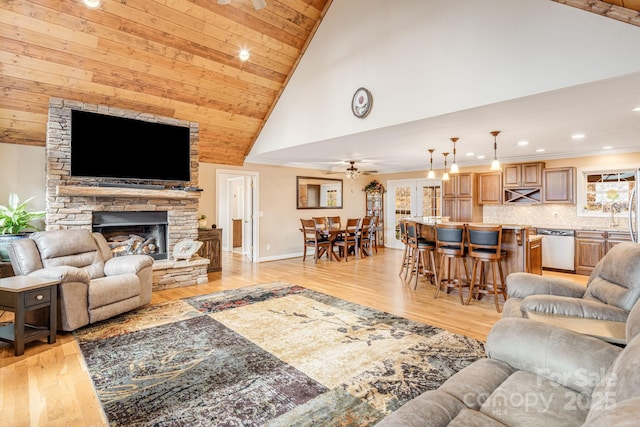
pixel 538 374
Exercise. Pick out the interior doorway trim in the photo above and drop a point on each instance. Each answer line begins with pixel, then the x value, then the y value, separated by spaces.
pixel 250 215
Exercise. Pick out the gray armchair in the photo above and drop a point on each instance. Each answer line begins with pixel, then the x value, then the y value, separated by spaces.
pixel 94 285
pixel 537 374
pixel 612 290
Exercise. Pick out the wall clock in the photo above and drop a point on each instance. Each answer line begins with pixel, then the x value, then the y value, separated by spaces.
pixel 361 103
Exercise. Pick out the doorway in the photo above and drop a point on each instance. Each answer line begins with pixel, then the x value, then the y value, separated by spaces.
pixel 409 198
pixel 237 212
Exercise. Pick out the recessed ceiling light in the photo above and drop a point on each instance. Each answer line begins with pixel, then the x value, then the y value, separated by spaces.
pixel 481 156
pixel 243 54
pixel 469 154
pixel 607 147
pixel 92 4
pixel 541 150
pixel 523 143
pixel 636 109
pixel 577 136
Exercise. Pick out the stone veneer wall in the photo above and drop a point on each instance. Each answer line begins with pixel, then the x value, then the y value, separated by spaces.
pixel 76 211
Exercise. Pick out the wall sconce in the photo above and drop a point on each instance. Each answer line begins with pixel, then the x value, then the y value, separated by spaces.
pixel 431 174
pixel 454 165
pixel 445 175
pixel 495 164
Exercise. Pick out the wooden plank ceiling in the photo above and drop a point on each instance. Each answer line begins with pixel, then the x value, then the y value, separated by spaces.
pixel 176 58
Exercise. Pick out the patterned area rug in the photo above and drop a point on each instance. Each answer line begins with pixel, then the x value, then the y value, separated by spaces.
pixel 272 355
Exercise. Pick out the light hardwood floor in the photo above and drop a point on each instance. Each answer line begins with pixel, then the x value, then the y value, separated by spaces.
pixel 49 385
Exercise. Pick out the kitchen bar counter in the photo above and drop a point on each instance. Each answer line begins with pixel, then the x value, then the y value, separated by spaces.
pixel 524 252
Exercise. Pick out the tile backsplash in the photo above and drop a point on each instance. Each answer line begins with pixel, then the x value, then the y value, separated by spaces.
pixel 547 215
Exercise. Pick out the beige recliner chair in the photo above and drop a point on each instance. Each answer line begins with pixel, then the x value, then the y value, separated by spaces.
pixel 612 290
pixel 94 285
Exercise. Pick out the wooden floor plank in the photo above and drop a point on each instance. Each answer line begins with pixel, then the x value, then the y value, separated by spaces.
pixel 49 384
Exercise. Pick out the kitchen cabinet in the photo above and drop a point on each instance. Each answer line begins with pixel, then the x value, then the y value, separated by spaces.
pixel 489 188
pixel 459 201
pixel 558 185
pixel 522 175
pixel 590 248
pixel 211 247
pixel 458 185
pixel 615 237
pixel 522 183
pixel 534 254
pixel 592 245
pixel 375 207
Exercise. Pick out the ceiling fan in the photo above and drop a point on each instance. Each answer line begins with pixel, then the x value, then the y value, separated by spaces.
pixel 352 171
pixel 257 4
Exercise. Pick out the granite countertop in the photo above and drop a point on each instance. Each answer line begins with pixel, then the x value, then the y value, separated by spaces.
pixel 584 228
pixel 420 220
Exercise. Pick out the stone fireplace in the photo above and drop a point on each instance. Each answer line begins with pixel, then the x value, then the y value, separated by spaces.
pixel 128 233
pixel 78 202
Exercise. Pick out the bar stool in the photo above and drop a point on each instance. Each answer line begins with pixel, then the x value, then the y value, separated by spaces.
pixel 485 247
pixel 421 263
pixel 406 254
pixel 450 247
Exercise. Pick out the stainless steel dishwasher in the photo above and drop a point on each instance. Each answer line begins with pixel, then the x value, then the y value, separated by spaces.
pixel 558 249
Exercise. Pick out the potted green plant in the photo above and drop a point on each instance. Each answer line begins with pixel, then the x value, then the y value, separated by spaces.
pixel 15 220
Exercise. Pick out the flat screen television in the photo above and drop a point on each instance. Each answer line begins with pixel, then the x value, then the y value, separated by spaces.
pixel 111 147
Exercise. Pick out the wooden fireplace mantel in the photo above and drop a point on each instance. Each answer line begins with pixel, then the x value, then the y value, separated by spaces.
pixel 88 191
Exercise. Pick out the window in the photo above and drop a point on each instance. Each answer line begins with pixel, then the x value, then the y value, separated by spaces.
pixel 605 192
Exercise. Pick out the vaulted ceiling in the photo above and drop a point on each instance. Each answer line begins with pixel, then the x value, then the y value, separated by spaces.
pixel 176 58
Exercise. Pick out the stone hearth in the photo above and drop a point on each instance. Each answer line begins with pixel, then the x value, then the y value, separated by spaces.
pixel 71 201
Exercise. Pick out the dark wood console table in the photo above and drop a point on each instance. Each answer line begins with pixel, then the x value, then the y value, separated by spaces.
pixel 20 294
pixel 211 247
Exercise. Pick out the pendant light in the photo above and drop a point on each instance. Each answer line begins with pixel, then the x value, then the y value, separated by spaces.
pixel 495 164
pixel 454 165
pixel 445 175
pixel 431 174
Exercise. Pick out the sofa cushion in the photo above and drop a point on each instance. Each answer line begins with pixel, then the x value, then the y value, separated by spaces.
pixel 616 278
pixel 566 357
pixel 431 409
pixel 470 418
pixel 473 384
pixel 572 307
pixel 109 290
pixel 622 414
pixel 76 248
pixel 528 399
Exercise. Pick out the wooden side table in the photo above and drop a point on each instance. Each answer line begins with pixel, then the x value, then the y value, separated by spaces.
pixel 20 294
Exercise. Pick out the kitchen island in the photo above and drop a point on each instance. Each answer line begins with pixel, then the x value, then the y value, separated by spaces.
pixel 522 246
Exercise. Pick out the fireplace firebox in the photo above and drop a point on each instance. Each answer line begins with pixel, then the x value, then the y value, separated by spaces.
pixel 143 232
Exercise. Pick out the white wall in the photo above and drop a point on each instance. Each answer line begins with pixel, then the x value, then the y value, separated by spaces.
pixel 425 58
pixel 22 171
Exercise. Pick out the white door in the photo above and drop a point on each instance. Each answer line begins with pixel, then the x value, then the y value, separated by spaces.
pixel 407 198
pixel 228 208
pixel 248 219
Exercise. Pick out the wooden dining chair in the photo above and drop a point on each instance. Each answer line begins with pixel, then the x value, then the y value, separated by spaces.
pixel 321 222
pixel 364 237
pixel 313 238
pixel 347 240
pixel 334 222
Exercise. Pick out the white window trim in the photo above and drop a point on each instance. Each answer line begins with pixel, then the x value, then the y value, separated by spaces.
pixel 581 198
